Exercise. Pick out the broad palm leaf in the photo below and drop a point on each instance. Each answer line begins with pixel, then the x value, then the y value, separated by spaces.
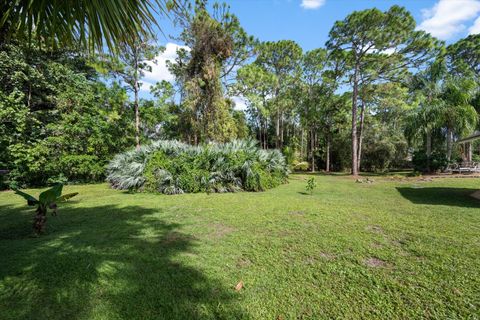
pixel 91 23
pixel 48 199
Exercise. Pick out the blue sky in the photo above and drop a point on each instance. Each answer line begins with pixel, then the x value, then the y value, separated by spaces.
pixel 308 22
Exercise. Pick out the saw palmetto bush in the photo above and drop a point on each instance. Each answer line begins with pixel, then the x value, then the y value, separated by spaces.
pixel 172 167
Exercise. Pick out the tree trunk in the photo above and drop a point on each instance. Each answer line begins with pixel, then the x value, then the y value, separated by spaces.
pixel 301 143
pixel 360 136
pixel 40 220
pixel 312 148
pixel 327 156
pixel 449 143
pixel 469 152
pixel 354 122
pixel 277 131
pixel 265 133
pixel 259 130
pixel 282 129
pixel 137 116
pixel 429 148
pixel 136 88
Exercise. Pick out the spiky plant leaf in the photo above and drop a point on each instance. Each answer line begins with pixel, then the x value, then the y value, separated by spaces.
pixel 31 201
pixel 67 196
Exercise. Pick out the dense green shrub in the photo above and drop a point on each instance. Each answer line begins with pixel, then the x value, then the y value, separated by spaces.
pixel 172 167
pixel 82 168
pixel 301 166
pixel 422 163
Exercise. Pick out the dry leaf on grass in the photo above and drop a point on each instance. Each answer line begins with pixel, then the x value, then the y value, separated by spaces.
pixel 239 286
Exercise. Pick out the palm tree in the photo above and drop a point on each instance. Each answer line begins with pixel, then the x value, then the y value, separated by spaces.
pixel 429 116
pixel 91 23
pixel 446 106
pixel 459 115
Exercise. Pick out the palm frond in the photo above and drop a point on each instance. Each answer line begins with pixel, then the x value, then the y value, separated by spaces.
pixel 90 23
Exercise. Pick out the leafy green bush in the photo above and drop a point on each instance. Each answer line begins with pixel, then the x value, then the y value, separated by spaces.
pixel 172 167
pixel 301 166
pixel 422 163
pixel 82 168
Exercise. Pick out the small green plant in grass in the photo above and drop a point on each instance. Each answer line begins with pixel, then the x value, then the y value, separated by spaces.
pixel 311 184
pixel 48 199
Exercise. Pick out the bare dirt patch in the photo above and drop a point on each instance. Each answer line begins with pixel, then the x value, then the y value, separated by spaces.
pixel 373 262
pixel 376 229
pixel 219 230
pixel 174 237
pixel 376 245
pixel 244 262
pixel 327 256
pixel 299 213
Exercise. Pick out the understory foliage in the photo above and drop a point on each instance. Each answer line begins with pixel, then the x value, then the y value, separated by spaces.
pixel 172 167
pixel 58 121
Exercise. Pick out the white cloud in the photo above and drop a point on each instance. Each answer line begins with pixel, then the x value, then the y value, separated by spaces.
pixel 160 71
pixel 312 4
pixel 145 85
pixel 240 103
pixel 447 17
pixel 475 28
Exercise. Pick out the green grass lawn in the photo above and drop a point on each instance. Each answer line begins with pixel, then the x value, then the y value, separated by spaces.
pixel 401 249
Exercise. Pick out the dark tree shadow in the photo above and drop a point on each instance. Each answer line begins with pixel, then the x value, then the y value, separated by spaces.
pixel 117 262
pixel 459 197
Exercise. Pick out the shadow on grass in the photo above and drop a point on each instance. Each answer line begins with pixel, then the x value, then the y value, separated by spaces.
pixel 459 197
pixel 104 262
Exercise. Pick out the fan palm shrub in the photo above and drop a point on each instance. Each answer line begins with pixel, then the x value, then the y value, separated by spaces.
pixel 172 167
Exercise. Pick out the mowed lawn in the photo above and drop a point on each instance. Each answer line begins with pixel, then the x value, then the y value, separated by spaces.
pixel 392 249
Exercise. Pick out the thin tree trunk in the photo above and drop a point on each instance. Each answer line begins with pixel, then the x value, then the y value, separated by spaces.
pixel 301 143
pixel 282 129
pixel 277 131
pixel 259 130
pixel 429 148
pixel 354 122
pixel 137 116
pixel 360 136
pixel 287 134
pixel 449 143
pixel 40 220
pixel 312 148
pixel 135 103
pixel 327 155
pixel 265 133
pixel 469 152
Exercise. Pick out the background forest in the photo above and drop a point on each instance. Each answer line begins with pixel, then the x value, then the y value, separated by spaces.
pixel 380 95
